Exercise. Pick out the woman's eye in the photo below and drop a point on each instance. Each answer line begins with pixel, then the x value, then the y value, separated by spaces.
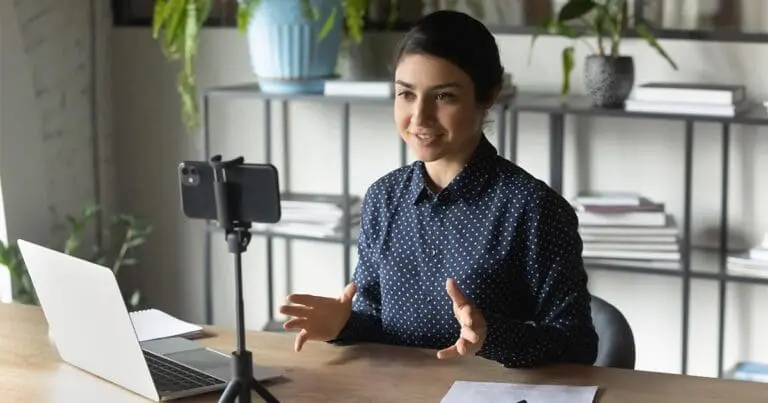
pixel 405 94
pixel 444 96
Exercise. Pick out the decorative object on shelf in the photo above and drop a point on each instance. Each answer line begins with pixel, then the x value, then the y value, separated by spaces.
pixel 128 231
pixel 293 44
pixel 609 76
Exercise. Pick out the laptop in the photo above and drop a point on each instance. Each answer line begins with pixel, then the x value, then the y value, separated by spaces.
pixel 92 330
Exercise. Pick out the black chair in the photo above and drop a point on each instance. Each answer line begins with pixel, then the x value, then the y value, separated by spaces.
pixel 616 347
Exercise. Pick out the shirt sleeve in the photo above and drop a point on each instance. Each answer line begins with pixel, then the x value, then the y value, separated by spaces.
pixel 364 324
pixel 561 327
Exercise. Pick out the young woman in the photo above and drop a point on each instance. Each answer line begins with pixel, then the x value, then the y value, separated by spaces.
pixel 463 251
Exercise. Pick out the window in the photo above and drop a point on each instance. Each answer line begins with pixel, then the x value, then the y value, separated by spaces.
pixel 139 13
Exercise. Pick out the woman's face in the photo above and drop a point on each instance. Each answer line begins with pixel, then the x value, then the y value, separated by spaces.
pixel 435 108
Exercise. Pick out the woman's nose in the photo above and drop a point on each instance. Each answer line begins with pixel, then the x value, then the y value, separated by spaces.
pixel 422 113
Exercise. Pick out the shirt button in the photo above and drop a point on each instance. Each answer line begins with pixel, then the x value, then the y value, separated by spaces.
pixel 432 252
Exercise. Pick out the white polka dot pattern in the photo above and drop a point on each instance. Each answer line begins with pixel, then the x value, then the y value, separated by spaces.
pixel 509 241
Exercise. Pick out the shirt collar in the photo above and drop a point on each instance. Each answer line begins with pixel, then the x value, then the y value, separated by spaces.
pixel 467 183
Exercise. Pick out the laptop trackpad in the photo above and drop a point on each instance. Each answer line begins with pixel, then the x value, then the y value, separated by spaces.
pixel 205 360
pixel 219 365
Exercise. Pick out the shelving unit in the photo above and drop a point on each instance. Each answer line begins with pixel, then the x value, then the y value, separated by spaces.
pixel 346 240
pixel 695 264
pixel 710 267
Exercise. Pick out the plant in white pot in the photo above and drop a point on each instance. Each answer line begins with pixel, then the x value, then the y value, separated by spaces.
pixel 609 75
pixel 293 44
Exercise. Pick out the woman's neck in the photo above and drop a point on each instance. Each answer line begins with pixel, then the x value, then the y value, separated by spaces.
pixel 444 170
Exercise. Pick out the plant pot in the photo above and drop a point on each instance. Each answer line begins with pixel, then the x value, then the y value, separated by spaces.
pixel 285 52
pixel 609 80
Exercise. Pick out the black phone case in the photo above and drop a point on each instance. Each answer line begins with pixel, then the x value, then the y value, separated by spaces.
pixel 254 191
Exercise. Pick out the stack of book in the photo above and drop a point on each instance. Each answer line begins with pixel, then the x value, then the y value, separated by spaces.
pixel 315 215
pixel 753 263
pixel 626 229
pixel 688 99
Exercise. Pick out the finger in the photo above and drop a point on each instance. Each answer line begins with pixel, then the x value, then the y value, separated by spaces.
pixel 295 323
pixel 455 294
pixel 464 316
pixel 461 346
pixel 301 338
pixel 304 299
pixel 469 335
pixel 449 352
pixel 296 310
pixel 349 292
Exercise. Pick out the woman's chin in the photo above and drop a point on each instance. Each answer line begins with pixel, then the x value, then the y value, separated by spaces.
pixel 428 155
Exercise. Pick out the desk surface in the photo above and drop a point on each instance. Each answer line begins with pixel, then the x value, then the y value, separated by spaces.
pixel 31 371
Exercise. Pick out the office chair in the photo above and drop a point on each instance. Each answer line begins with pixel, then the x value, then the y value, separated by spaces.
pixel 616 347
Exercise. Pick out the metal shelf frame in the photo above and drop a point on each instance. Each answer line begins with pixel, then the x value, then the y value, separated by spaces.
pixel 558 107
pixel 346 240
pixel 507 117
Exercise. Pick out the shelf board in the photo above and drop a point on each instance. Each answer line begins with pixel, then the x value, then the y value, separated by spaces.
pixel 705 265
pixel 251 90
pixel 629 268
pixel 582 105
pixel 331 239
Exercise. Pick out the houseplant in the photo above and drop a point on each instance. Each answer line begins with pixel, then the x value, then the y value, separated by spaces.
pixel 293 44
pixel 126 233
pixel 609 75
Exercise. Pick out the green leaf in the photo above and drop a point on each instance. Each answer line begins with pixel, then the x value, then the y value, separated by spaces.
pixel 135 299
pixel 309 11
pixel 245 10
pixel 575 9
pixel 328 25
pixel 135 242
pixel 476 9
pixel 129 261
pixel 567 57
pixel 554 28
pixel 644 33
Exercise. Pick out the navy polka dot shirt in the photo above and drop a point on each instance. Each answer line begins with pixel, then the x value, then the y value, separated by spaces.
pixel 509 241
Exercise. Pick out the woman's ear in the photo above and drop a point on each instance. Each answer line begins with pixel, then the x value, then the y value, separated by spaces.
pixel 494 97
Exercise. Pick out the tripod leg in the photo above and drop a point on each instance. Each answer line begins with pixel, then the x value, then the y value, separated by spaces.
pixel 263 392
pixel 231 392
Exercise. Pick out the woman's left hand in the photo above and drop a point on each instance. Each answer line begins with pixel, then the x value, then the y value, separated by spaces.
pixel 472 321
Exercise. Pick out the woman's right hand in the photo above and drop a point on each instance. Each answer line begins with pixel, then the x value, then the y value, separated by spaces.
pixel 318 318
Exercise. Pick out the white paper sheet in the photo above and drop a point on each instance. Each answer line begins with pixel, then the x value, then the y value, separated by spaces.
pixel 482 392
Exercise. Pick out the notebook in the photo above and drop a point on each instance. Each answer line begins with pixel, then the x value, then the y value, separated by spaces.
pixel 151 324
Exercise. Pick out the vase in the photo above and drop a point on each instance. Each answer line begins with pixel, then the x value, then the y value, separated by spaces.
pixel 286 53
pixel 609 80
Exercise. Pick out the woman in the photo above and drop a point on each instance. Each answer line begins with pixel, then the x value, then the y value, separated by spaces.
pixel 462 251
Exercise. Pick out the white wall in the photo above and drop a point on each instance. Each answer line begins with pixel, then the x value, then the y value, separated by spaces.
pixel 47 97
pixel 151 141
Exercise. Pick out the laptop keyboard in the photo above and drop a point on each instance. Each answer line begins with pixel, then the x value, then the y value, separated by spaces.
pixel 170 376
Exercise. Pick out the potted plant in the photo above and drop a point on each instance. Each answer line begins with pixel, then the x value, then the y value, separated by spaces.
pixel 128 234
pixel 293 44
pixel 608 74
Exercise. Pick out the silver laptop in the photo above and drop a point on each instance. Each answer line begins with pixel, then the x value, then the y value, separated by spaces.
pixel 92 330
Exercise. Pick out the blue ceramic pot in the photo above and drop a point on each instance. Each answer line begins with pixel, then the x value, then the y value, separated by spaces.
pixel 286 53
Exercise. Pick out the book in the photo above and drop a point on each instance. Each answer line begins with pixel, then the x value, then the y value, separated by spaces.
pixel 151 324
pixel 691 93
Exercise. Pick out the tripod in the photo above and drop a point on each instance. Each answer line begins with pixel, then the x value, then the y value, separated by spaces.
pixel 238 237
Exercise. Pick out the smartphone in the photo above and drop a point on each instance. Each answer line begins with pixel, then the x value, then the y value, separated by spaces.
pixel 253 192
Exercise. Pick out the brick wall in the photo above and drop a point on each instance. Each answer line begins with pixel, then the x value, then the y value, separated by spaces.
pixel 69 86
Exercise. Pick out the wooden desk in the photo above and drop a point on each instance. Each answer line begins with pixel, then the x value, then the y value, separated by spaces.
pixel 30 371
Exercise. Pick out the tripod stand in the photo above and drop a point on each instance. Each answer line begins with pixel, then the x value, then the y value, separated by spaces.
pixel 238 237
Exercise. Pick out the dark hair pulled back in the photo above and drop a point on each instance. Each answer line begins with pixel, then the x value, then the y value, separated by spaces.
pixel 463 41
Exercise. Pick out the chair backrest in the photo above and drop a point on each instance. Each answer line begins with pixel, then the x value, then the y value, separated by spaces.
pixel 616 347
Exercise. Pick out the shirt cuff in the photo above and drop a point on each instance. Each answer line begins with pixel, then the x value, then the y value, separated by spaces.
pixel 500 335
pixel 349 331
